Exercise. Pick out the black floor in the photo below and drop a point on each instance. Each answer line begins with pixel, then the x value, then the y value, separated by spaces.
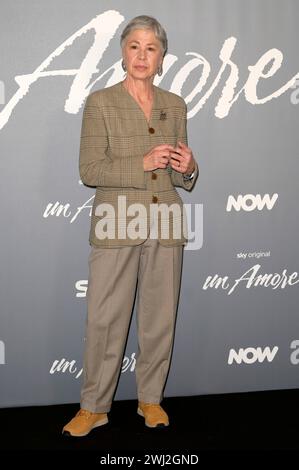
pixel 206 426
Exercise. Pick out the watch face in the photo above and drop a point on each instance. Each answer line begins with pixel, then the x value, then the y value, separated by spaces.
pixel 188 177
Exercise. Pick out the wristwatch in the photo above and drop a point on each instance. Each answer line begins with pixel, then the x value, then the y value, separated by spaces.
pixel 189 177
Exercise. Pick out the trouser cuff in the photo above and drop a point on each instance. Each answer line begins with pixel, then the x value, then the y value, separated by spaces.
pixel 149 398
pixel 95 409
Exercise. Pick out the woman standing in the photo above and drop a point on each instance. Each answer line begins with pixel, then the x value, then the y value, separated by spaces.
pixel 133 148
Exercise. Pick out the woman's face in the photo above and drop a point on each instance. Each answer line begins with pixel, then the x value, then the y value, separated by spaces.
pixel 142 54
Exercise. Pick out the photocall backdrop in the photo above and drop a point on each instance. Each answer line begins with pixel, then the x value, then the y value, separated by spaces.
pixel 236 65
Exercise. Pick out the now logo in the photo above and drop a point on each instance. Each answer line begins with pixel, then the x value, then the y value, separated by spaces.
pixel 250 202
pixel 251 355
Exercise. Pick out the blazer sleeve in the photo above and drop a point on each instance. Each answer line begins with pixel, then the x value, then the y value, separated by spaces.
pixel 97 165
pixel 177 177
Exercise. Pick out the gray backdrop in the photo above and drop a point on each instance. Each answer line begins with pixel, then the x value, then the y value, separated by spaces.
pixel 235 63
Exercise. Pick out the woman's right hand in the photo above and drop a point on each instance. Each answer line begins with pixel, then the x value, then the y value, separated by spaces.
pixel 157 157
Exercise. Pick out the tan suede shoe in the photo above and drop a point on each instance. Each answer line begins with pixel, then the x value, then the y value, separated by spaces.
pixel 155 416
pixel 83 423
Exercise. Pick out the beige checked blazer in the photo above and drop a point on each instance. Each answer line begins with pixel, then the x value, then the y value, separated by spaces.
pixel 115 135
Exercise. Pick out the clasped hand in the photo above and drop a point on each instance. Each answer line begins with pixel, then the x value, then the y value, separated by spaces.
pixel 180 158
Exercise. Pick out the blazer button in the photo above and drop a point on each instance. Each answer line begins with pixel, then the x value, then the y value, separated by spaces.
pixel 151 130
pixel 155 199
pixel 154 176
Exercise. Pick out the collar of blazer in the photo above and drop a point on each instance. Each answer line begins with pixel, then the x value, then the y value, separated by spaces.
pixel 155 100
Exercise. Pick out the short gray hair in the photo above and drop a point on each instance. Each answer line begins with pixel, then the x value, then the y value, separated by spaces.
pixel 146 22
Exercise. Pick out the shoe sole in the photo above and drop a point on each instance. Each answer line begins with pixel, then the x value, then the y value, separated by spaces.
pixel 159 425
pixel 96 425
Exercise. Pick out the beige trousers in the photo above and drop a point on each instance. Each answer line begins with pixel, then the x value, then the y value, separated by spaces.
pixel 114 275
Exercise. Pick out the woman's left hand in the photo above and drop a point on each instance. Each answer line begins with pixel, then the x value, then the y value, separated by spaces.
pixel 183 160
